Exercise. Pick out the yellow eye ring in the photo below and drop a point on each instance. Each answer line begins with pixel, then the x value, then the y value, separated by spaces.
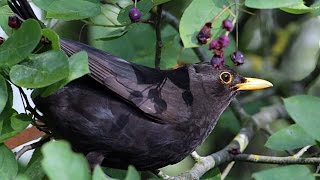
pixel 226 77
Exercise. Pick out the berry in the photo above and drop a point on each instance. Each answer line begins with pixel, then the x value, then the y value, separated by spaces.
pixel 204 34
pixel 135 15
pixel 227 25
pixel 14 22
pixel 219 52
pixel 237 58
pixel 224 41
pixel 44 40
pixel 2 40
pixel 217 61
pixel 214 44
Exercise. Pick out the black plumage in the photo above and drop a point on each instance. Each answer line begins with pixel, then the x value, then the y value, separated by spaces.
pixel 123 113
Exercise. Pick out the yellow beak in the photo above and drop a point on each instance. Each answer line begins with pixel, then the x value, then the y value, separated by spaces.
pixel 253 84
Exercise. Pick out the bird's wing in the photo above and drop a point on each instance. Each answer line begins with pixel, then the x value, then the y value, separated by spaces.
pixel 163 95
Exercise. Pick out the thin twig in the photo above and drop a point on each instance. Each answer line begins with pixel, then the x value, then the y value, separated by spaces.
pixel 31 146
pixel 275 160
pixel 227 170
pixel 158 37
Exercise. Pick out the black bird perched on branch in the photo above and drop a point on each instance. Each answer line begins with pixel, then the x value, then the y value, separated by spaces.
pixel 123 113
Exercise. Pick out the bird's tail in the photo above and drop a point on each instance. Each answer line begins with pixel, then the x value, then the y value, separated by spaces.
pixel 22 9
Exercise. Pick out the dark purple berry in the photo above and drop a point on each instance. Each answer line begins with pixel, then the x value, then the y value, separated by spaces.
pixel 214 44
pixel 135 15
pixel 237 58
pixel 44 40
pixel 14 22
pixel 204 34
pixel 217 61
pixel 227 25
pixel 224 41
pixel 2 40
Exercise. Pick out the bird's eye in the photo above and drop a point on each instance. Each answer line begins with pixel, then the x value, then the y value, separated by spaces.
pixel 226 77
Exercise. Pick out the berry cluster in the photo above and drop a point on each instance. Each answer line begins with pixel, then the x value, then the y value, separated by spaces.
pixel 218 45
pixel 135 13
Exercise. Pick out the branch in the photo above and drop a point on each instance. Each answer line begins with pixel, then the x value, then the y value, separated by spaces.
pixel 174 22
pixel 240 142
pixel 158 37
pixel 275 160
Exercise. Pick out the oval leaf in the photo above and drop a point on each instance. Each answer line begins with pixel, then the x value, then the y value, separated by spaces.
pixel 42 70
pixel 294 172
pixel 304 110
pixel 3 93
pixel 59 162
pixel 289 138
pixel 98 174
pixel 270 4
pixel 196 15
pixel 20 45
pixel 69 10
pixel 8 163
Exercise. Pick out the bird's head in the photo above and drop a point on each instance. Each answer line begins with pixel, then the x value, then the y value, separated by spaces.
pixel 220 85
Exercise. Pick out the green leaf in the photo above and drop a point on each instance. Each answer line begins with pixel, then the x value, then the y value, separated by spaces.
pixel 3 93
pixel 5 12
pixel 132 174
pixel 69 10
pixel 212 174
pixel 59 162
pixel 98 174
pixel 289 138
pixel 21 177
pixel 116 173
pixel 144 6
pixel 196 15
pixel 8 163
pixel 304 110
pixel 53 37
pixel 34 169
pixel 78 67
pixel 270 4
pixel 20 45
pixel 14 125
pixel 42 70
pixel 113 35
pixel 299 9
pixel 157 2
pixel 293 172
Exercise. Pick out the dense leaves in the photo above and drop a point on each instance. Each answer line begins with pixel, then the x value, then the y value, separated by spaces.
pixel 3 93
pixel 18 46
pixel 262 4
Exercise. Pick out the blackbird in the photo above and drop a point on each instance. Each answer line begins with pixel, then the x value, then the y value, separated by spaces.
pixel 124 113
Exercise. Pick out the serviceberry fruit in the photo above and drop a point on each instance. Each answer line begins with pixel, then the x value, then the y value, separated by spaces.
pixel 227 25
pixel 214 44
pixel 237 58
pixel 204 34
pixel 14 22
pixel 224 41
pixel 217 61
pixel 2 40
pixel 44 40
pixel 135 15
